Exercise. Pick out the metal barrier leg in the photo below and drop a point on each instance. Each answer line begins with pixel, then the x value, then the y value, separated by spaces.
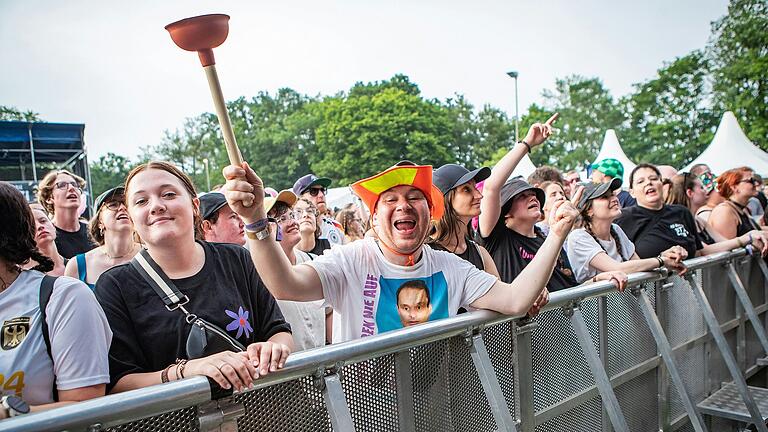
pixel 725 351
pixel 602 381
pixel 524 374
pixel 490 383
pixel 405 415
pixel 746 303
pixel 665 349
pixel 336 404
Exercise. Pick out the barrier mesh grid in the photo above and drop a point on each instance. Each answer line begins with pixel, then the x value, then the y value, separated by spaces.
pixel 181 420
pixel 638 402
pixel 499 342
pixel 292 406
pixel 584 418
pixel 371 393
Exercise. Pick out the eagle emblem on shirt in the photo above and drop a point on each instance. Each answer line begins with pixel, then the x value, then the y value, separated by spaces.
pixel 13 332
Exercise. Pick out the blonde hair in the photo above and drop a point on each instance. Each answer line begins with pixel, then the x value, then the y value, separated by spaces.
pixel 45 188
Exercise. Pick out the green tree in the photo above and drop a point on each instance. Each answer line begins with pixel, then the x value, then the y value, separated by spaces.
pixel 670 119
pixel 586 110
pixel 9 113
pixel 361 135
pixel 739 52
pixel 109 171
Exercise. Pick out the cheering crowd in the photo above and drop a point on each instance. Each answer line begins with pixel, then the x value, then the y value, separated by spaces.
pixel 163 283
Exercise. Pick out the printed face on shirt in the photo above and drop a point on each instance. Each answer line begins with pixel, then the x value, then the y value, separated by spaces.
pixel 413 304
pixel 404 302
pixel 466 199
pixel 647 188
pixel 44 230
pixel 402 215
pixel 229 228
pixel 161 209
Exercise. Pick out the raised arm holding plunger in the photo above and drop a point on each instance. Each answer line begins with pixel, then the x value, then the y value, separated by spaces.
pixel 202 34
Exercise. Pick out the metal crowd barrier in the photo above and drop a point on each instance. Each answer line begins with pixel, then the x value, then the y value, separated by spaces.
pixel 670 353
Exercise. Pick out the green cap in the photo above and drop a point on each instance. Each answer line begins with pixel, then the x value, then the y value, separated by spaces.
pixel 610 167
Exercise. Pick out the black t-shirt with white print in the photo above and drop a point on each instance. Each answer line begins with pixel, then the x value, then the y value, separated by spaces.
pixel 227 292
pixel 512 252
pixel 673 225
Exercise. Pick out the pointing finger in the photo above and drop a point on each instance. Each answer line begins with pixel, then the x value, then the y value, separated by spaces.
pixel 552 119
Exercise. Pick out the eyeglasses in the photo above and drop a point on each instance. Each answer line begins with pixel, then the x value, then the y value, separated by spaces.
pixel 752 180
pixel 299 213
pixel 66 184
pixel 285 217
pixel 114 205
pixel 315 190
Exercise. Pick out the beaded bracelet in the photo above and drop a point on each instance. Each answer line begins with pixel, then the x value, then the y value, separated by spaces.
pixel 180 369
pixel 526 145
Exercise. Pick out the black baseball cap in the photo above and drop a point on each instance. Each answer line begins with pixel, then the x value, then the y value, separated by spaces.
pixel 597 190
pixel 304 183
pixel 106 196
pixel 514 187
pixel 450 176
pixel 210 203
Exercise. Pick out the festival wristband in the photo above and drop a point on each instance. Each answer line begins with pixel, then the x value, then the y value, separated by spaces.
pixel 257 226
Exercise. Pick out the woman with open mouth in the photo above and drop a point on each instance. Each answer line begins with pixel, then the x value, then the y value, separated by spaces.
pixel 654 226
pixel 510 210
pixel 112 230
pixel 600 245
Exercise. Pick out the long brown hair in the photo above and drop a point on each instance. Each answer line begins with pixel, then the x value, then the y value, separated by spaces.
pixel 17 238
pixel 678 191
pixel 447 228
pixel 185 181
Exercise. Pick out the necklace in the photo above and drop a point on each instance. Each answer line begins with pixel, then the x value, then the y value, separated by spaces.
pixel 119 256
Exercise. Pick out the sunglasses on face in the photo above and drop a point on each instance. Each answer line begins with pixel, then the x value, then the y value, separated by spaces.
pixel 315 191
pixel 66 184
pixel 752 180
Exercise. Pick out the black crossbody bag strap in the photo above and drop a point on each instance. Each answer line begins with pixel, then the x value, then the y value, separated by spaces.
pixel 172 297
pixel 46 290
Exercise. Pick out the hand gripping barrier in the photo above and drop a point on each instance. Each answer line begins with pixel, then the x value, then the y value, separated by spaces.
pixel 669 354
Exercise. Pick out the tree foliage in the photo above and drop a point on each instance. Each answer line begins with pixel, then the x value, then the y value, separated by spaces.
pixel 109 171
pixel 739 53
pixel 670 117
pixel 9 113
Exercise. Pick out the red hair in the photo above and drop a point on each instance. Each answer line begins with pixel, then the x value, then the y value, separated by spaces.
pixel 726 183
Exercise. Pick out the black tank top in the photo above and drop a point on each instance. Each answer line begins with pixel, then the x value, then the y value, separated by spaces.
pixel 472 254
pixel 746 224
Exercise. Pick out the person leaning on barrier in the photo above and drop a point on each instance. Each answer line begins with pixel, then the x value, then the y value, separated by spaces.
pixel 45 239
pixel 655 227
pixel 60 193
pixel 111 228
pixel 71 365
pixel 310 321
pixel 217 280
pixel 360 280
pixel 510 210
pixel 600 245
pixel 731 218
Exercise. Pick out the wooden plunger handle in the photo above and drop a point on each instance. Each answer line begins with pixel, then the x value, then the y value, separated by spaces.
pixel 235 157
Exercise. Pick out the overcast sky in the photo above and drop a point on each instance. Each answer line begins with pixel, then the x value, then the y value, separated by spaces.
pixel 112 66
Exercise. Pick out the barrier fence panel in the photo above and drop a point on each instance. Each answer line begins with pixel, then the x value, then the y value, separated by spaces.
pixel 480 371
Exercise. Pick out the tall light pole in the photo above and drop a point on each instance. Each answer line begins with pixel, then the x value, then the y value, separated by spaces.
pixel 207 174
pixel 513 74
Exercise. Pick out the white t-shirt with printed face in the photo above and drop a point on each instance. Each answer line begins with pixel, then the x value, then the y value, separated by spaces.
pixel 363 287
pixel 79 333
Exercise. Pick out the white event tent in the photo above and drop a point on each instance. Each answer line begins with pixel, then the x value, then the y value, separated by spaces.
pixel 524 168
pixel 611 149
pixel 730 148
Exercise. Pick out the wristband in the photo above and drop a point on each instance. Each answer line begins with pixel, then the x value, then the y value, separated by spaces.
pixel 526 145
pixel 257 226
pixel 164 373
pixel 661 260
pixel 750 239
